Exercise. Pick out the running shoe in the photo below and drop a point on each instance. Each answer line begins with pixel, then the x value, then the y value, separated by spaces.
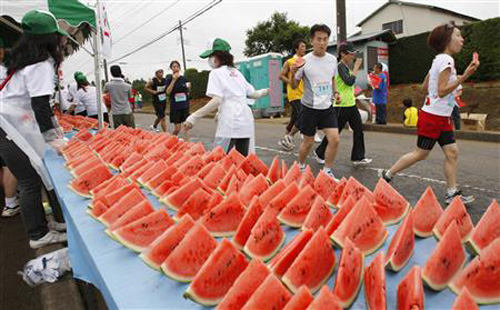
pixel 465 199
pixel 329 172
pixel 318 159
pixel 153 128
pixel 10 212
pixel 302 168
pixel 362 162
pixel 53 225
pixel 50 238
pixel 382 173
pixel 283 142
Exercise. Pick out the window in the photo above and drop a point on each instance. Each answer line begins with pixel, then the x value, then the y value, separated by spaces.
pixel 372 56
pixel 396 27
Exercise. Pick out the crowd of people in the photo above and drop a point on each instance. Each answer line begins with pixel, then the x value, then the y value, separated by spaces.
pixel 320 88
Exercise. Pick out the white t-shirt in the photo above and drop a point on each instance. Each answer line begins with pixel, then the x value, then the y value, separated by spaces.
pixel 72 90
pixel 442 106
pixel 317 75
pixel 63 99
pixel 87 99
pixel 3 73
pixel 32 81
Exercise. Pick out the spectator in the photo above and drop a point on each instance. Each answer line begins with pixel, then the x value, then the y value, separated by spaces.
pixel 380 95
pixel 138 100
pixel 410 114
pixel 120 92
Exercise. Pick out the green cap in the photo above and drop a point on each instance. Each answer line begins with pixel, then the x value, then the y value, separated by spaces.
pixel 2 44
pixel 38 22
pixel 81 78
pixel 76 74
pixel 217 45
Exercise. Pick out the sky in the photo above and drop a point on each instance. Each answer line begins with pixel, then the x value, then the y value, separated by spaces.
pixel 229 20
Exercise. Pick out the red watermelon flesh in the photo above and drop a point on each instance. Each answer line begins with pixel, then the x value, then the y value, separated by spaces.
pixel 83 135
pixel 235 157
pixel 162 189
pixel 445 261
pixel 349 275
pixel 195 205
pixel 98 209
pixel 176 199
pixel 295 212
pixel 160 249
pixel 389 204
pixel 214 178
pixel 325 300
pixel 271 295
pixel 255 187
pixel 251 216
pixel 426 214
pixel 192 166
pixel 109 199
pixel 227 178
pixel 77 161
pixel 280 201
pixel 313 266
pixel 136 212
pixel 130 161
pixel 375 284
pixel 137 173
pixel 307 178
pixel 272 192
pixel 334 198
pixel 217 275
pixel 281 262
pixel 138 165
pixel 284 168
pixel 487 229
pixel 253 165
pixel 293 175
pixel 411 290
pixel 324 185
pixel 161 177
pixel 235 183
pixel 139 234
pixel 214 201
pixel 249 178
pixel 118 209
pixel 356 190
pixel 318 216
pixel 90 180
pixel 363 227
pixel 197 149
pixel 274 173
pixel 402 245
pixel 244 286
pixel 301 300
pixel 465 301
pixel 187 258
pixel 205 170
pixel 223 220
pixel 338 217
pixel 178 177
pixel 86 166
pixel 454 212
pixel 266 237
pixel 116 182
pixel 214 155
pixel 152 171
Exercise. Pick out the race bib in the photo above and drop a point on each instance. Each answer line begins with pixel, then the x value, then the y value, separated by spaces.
pixel 322 88
pixel 180 97
pixel 162 97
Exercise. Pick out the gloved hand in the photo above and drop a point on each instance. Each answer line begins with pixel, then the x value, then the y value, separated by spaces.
pixel 58 145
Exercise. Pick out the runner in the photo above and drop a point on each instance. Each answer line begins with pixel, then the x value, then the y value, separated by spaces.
pixel 294 96
pixel 26 92
pixel 229 92
pixel 157 87
pixel 434 123
pixel 346 109
pixel 178 90
pixel 317 112
pixel 86 96
pixel 120 92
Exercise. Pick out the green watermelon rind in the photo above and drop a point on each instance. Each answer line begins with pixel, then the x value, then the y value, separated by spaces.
pixel 149 262
pixel 438 288
pixel 189 294
pixel 313 290
pixel 390 264
pixel 368 252
pixel 79 193
pixel 439 236
pixel 481 301
pixel 111 235
pixel 289 223
pixel 422 234
pixel 397 220
pixel 354 296
pixel 166 202
pixel 127 244
pixel 268 257
pixel 175 277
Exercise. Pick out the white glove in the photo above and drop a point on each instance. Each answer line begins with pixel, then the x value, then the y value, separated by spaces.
pixel 58 145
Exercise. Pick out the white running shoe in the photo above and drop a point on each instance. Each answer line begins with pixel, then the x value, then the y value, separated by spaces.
pixel 466 199
pixel 318 159
pixel 284 143
pixel 53 225
pixel 362 162
pixel 10 212
pixel 317 138
pixel 50 238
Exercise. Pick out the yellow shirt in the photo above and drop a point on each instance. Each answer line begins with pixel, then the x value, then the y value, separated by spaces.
pixel 411 117
pixel 293 94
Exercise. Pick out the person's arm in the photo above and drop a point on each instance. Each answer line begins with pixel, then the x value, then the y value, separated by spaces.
pixel 296 76
pixel 211 106
pixel 425 84
pixel 357 66
pixel 171 85
pixel 259 93
pixel 149 89
pixel 345 75
pixel 336 94
pixel 284 73
pixel 444 87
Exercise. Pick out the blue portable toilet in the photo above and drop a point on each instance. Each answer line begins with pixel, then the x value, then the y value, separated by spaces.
pixel 263 71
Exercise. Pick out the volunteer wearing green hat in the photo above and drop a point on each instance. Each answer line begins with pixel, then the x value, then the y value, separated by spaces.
pixel 27 124
pixel 75 108
pixel 230 93
pixel 87 98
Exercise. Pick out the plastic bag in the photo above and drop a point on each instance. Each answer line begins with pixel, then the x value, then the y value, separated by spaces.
pixel 46 268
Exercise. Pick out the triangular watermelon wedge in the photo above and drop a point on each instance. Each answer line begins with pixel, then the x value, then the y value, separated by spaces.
pixel 319 215
pixel 118 209
pixel 324 185
pixel 152 172
pixel 411 290
pixel 426 213
pixel 253 165
pixel 192 166
pixel 251 216
pixel 272 192
pixel 142 209
pixel 455 212
pixel 214 155
pixel 281 262
pixel 281 200
pixel 334 198
pixel 195 205
pixel 266 237
pixel 293 174
pixel 284 168
pixel 215 176
pixel 355 189
pixel 349 275
pixel 389 204
pixel 464 301
pixel 307 178
pixel 175 200
pixel 255 187
pixel 340 216
pixel 487 229
pixel 325 300
pixel 301 300
pixel 375 284
pixel 271 294
pixel 227 178
pixel 274 173
pixel 402 245
pixel 90 180
pixel 296 210
pixel 223 220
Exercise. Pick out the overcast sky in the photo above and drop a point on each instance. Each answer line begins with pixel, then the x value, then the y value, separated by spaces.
pixel 229 20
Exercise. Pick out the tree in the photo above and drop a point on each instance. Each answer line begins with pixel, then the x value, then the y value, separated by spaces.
pixel 276 34
pixel 139 86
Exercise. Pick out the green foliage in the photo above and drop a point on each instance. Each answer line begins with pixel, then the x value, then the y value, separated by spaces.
pixel 139 86
pixel 276 34
pixel 410 58
pixel 198 81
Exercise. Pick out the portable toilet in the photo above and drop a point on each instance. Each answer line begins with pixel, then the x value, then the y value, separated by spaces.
pixel 263 71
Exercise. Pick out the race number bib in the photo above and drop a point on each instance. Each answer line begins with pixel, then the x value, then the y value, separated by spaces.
pixel 180 97
pixel 162 96
pixel 322 88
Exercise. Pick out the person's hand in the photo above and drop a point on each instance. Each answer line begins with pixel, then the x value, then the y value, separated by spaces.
pixel 58 145
pixel 336 95
pixel 473 66
pixel 358 63
pixel 294 68
pixel 175 76
pixel 187 126
pixel 60 132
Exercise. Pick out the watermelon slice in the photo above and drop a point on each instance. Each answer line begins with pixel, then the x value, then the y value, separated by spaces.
pixel 224 183
pixel 274 173
pixel 137 173
pixel 162 176
pixel 375 285
pixel 281 262
pixel 215 176
pixel 223 220
pixel 455 212
pixel 90 164
pixel 163 188
pixel 295 212
pixel 110 187
pixel 334 198
pixel 465 301
pixel 254 188
pixel 251 216
pixel 301 300
pixel 139 234
pixel 318 216
pixel 349 275
pixel 90 180
pixel 307 178
pixel 130 161
pixel 111 198
pixel 97 210
pixel 402 245
pixel 176 199
pixel 363 227
pixel 389 204
pixel 244 286
pixel 270 295
pixel 136 212
pixel 195 205
pixel 313 266
pixel 293 175
pixel 189 256
pixel 266 237
pixel 135 167
pixel 215 155
pixel 235 183
pixel 253 165
pixel 205 170
pixel 152 172
pixel 411 291
pixel 325 300
pixel 272 192
pixel 426 213
pixel 284 168
pixel 197 149
pixel 215 200
pixel 487 229
pixel 217 275
pixel 118 209
pixel 160 249
pixel 233 158
pixel 340 216
pixel 356 190
pixel 324 185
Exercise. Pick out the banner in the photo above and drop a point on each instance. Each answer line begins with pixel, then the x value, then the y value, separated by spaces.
pixel 106 41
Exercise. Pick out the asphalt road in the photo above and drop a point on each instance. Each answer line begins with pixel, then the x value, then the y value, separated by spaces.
pixel 479 168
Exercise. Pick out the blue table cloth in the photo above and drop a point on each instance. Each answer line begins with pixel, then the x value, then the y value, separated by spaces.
pixel 127 283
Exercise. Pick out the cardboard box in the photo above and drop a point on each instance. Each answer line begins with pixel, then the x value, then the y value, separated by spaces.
pixel 474 121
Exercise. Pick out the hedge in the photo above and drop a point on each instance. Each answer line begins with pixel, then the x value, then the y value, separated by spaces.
pixel 198 81
pixel 411 58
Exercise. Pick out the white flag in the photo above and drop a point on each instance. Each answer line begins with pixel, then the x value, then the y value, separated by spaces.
pixel 106 41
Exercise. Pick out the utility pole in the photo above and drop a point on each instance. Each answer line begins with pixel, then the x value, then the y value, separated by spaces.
pixel 182 46
pixel 341 22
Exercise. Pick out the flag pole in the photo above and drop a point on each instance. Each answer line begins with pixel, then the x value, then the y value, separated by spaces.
pixel 97 64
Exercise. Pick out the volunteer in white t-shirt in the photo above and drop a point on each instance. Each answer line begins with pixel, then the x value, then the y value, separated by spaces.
pixel 61 98
pixel 434 122
pixel 86 97
pixel 27 124
pixel 75 108
pixel 229 92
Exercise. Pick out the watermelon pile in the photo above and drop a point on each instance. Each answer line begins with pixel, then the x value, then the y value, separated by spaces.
pixel 225 237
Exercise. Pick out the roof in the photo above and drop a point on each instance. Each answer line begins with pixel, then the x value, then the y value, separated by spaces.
pixel 385 35
pixel 419 5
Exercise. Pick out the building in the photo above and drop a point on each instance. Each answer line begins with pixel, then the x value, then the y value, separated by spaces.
pixel 409 18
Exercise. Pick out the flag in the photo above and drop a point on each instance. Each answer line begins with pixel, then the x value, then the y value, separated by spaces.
pixel 106 41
